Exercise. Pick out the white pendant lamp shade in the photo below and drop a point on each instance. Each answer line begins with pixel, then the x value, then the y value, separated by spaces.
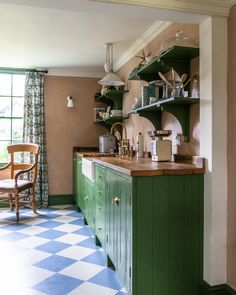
pixel 111 79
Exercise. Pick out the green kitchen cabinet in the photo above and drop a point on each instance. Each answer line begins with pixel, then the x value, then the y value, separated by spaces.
pixel 167 234
pixel 100 187
pixel 78 183
pixel 151 228
pixel 118 224
pixel 89 202
pixel 75 179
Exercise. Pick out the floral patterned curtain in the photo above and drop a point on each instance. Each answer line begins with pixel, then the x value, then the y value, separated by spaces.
pixel 34 130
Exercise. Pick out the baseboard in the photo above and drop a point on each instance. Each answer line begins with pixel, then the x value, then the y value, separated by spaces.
pixel 53 200
pixel 223 289
pixel 60 200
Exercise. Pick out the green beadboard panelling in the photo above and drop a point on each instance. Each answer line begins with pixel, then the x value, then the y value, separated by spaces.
pixel 224 289
pixel 176 241
pixel 193 233
pixel 169 209
pixel 160 262
pixel 60 200
pixel 142 231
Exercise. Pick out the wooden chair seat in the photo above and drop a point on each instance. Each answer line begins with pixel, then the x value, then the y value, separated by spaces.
pixel 11 188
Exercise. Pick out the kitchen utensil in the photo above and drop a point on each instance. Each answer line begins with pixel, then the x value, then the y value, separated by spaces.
pixel 178 40
pixel 107 143
pixel 164 79
pixel 187 82
pixel 173 77
pixel 183 78
pixel 161 150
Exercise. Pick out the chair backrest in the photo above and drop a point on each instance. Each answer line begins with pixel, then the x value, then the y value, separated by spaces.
pixel 23 147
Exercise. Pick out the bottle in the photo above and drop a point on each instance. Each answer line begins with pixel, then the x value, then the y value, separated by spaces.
pixel 139 141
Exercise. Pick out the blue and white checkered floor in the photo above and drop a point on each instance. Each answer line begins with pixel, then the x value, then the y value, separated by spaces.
pixel 52 253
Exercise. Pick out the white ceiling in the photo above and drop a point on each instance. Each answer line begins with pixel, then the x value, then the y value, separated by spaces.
pixel 71 33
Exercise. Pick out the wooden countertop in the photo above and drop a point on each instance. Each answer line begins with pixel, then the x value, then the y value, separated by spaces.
pixel 92 154
pixel 142 166
pixel 146 167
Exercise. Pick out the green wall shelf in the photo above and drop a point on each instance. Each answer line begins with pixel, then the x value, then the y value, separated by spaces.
pixel 177 57
pixel 177 106
pixel 113 98
pixel 108 122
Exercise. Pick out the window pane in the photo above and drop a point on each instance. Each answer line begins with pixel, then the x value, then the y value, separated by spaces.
pixel 18 85
pixel 4 155
pixel 18 107
pixel 5 129
pixel 5 107
pixel 5 84
pixel 17 129
pixel 17 156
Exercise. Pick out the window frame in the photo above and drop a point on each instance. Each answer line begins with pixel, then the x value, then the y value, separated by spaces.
pixel 11 118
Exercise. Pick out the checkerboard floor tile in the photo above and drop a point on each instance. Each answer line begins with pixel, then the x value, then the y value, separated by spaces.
pixel 52 253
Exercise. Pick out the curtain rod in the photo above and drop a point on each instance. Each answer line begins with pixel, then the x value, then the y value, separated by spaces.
pixel 20 70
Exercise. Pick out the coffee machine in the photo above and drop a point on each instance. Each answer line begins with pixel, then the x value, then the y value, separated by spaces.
pixel 161 150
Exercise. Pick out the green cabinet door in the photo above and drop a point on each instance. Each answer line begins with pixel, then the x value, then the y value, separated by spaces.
pixel 79 188
pixel 100 187
pixel 118 224
pixel 89 203
pixel 75 179
pixel 167 235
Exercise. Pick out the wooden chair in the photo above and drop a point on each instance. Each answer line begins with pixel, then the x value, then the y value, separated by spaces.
pixel 13 186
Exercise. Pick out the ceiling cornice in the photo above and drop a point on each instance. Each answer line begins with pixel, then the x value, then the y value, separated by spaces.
pixel 74 72
pixel 206 7
pixel 141 43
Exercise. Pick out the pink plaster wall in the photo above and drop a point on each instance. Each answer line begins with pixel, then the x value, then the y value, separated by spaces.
pixel 68 127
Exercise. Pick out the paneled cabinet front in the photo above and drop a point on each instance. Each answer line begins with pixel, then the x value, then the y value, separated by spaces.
pixel 118 224
pixel 100 221
pixel 89 202
pixel 151 228
pixel 78 183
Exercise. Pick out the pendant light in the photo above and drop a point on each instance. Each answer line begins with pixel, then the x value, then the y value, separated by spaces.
pixel 111 79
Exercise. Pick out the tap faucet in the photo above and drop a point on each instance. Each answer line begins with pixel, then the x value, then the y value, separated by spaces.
pixel 121 124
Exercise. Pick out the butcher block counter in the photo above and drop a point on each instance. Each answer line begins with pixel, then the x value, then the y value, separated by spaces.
pixel 144 166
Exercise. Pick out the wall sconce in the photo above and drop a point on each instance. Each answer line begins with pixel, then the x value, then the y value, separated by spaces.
pixel 70 102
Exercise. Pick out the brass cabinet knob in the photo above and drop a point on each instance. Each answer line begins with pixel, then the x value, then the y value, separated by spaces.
pixel 116 201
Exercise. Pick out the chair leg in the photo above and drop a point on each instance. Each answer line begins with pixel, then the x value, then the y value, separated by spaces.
pixel 33 200
pixel 10 202
pixel 17 206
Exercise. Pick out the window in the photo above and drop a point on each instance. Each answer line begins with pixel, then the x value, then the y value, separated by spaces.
pixel 11 111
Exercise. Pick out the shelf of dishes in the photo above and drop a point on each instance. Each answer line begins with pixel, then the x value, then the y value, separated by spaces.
pixel 166 101
pixel 179 107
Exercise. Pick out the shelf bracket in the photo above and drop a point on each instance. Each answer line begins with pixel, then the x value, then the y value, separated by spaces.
pixel 154 116
pixel 182 114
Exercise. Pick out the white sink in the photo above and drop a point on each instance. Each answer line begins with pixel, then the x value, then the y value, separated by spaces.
pixel 88 168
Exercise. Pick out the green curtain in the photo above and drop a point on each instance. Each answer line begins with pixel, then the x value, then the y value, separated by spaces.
pixel 34 130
